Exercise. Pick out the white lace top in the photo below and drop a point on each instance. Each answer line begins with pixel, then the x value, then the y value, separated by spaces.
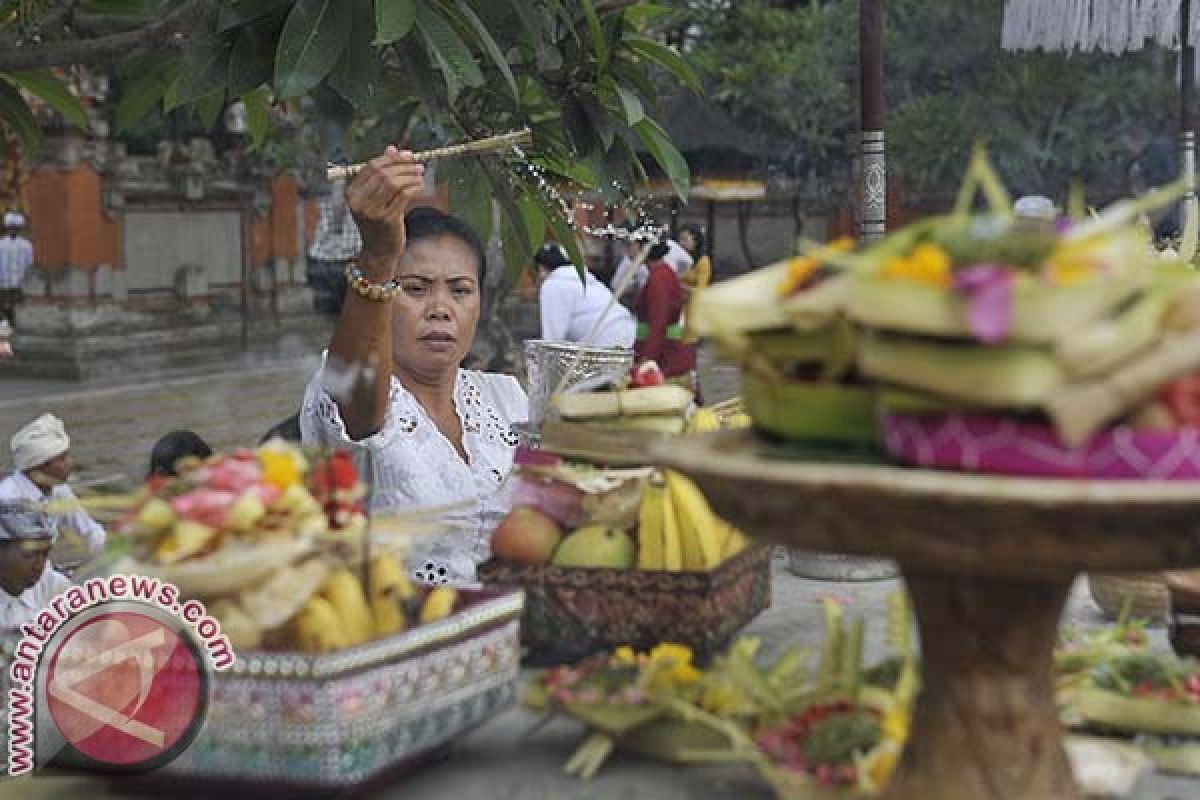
pixel 412 464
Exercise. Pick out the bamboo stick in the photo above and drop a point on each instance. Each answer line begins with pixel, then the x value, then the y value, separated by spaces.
pixel 479 146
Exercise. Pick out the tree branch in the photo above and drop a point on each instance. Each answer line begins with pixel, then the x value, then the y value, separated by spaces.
pixel 161 32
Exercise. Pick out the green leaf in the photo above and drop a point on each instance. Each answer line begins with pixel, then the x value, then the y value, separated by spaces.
pixel 250 63
pixel 17 117
pixel 672 162
pixel 646 12
pixel 357 75
pixel 209 107
pixel 312 41
pixel 527 13
pixel 258 115
pixel 599 44
pixel 205 69
pixel 566 236
pixel 53 92
pixel 489 44
pixel 656 52
pixel 470 196
pixel 153 78
pixel 237 13
pixel 630 103
pixel 394 19
pixel 450 52
pixel 533 220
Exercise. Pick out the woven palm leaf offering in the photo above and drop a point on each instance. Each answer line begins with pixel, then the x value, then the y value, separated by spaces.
pixel 823 730
pixel 1032 347
pixel 785 325
pixel 275 542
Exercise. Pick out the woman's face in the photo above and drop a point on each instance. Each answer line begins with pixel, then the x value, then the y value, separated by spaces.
pixel 687 241
pixel 437 309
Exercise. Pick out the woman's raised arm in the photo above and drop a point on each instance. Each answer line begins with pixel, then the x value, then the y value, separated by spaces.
pixel 379 197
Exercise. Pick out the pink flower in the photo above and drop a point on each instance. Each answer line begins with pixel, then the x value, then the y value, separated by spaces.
pixel 987 289
pixel 234 474
pixel 208 506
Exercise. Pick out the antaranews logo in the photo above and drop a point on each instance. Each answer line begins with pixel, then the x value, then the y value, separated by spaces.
pixel 114 675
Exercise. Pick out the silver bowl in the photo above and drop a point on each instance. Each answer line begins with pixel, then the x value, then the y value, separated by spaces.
pixel 547 363
pixel 834 567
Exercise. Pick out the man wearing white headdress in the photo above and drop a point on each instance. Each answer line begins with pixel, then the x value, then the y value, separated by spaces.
pixel 16 257
pixel 41 453
pixel 28 583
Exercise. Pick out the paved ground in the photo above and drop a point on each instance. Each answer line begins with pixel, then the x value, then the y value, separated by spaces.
pixel 114 428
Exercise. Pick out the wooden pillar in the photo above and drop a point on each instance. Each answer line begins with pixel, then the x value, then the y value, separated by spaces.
pixel 872 149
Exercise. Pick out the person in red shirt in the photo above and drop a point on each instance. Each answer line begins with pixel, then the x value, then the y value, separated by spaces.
pixel 659 309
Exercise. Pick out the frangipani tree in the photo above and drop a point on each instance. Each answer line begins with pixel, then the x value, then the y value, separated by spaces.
pixel 583 74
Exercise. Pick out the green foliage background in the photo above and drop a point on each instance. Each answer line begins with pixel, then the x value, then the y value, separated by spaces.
pixel 790 69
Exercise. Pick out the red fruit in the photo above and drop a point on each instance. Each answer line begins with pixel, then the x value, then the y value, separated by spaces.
pixel 1182 398
pixel 336 472
pixel 526 536
pixel 647 373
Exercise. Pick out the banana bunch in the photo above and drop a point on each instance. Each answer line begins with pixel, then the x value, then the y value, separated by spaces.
pixel 343 613
pixel 723 416
pixel 678 531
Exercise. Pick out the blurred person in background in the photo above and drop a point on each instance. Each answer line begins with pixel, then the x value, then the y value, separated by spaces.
pixel 41 454
pixel 335 244
pixel 659 308
pixel 699 275
pixel 170 449
pixel 572 305
pixel 16 257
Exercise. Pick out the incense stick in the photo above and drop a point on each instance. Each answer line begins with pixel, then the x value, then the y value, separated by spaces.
pixel 488 145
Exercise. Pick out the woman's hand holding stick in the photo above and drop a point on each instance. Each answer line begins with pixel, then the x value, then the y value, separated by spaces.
pixel 380 195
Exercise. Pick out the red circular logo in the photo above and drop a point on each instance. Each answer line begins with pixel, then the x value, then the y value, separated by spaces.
pixel 125 689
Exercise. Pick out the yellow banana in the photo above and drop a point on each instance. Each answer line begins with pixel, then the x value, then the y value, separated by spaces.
pixel 389 578
pixel 703 420
pixel 345 593
pixel 439 604
pixel 697 524
pixel 388 616
pixel 651 546
pixel 672 540
pixel 317 628
pixel 735 544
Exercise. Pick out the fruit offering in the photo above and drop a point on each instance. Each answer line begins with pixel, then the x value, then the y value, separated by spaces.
pixel 671 528
pixel 273 542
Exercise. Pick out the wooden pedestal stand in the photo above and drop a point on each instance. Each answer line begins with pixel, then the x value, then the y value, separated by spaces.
pixel 988 561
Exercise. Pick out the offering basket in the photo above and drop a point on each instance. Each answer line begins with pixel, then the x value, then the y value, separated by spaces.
pixel 573 612
pixel 298 723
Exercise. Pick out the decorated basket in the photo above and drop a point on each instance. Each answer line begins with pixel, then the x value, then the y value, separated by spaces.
pixel 571 613
pixel 339 719
pixel 313 723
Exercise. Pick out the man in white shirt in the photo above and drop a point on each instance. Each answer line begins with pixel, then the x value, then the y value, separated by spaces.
pixel 16 257
pixel 572 306
pixel 42 456
pixel 27 581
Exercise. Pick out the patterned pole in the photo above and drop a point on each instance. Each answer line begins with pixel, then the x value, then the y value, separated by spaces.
pixel 1187 132
pixel 872 148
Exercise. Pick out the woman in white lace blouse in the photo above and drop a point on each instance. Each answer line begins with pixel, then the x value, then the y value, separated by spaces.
pixel 424 431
